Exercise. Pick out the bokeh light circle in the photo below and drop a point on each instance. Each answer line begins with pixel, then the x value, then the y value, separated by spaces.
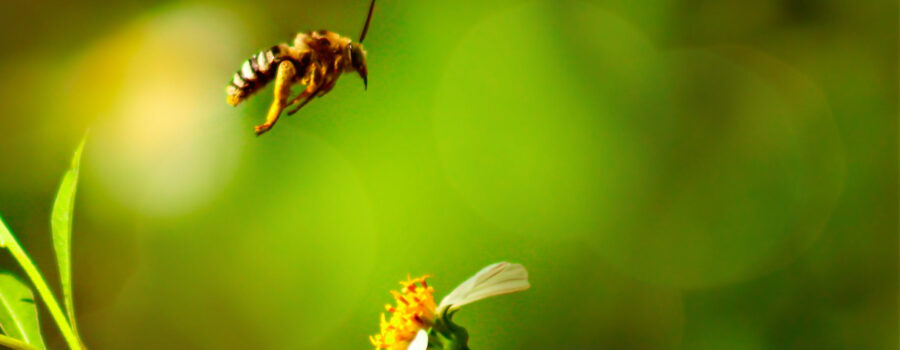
pixel 284 255
pixel 517 140
pixel 747 171
pixel 685 168
pixel 154 89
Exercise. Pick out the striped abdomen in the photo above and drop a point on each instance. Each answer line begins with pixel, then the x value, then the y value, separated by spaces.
pixel 255 73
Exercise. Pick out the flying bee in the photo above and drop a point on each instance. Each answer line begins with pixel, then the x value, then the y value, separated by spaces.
pixel 315 59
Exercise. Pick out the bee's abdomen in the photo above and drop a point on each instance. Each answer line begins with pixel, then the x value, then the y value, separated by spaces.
pixel 254 74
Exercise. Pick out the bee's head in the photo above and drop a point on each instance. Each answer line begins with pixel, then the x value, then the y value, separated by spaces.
pixel 358 62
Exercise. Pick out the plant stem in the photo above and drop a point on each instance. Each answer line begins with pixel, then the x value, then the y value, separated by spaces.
pixel 14 343
pixel 9 241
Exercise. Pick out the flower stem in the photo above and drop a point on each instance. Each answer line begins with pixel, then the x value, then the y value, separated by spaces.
pixel 8 241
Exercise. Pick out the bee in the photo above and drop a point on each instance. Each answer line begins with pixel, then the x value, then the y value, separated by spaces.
pixel 315 59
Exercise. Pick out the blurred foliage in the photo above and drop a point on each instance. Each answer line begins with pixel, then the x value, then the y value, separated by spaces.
pixel 689 174
pixel 18 313
pixel 61 227
pixel 19 317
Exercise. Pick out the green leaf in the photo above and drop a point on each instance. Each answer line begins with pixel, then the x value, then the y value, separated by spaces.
pixel 18 313
pixel 61 224
pixel 8 241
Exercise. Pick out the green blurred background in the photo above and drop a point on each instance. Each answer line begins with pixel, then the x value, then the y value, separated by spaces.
pixel 692 174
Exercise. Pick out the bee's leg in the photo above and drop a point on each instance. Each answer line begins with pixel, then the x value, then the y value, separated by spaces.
pixel 283 81
pixel 307 95
pixel 315 90
pixel 311 79
pixel 314 86
pixel 302 97
pixel 329 85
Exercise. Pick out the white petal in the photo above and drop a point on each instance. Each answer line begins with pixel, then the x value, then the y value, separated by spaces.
pixel 496 279
pixel 420 342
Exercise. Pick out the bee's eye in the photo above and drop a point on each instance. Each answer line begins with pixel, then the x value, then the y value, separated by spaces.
pixel 354 56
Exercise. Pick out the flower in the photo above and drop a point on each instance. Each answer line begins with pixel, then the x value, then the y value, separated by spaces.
pixel 415 312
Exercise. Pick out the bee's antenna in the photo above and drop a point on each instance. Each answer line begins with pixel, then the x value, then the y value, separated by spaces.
pixel 368 19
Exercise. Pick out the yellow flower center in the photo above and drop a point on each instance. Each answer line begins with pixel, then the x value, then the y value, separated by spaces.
pixel 414 310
